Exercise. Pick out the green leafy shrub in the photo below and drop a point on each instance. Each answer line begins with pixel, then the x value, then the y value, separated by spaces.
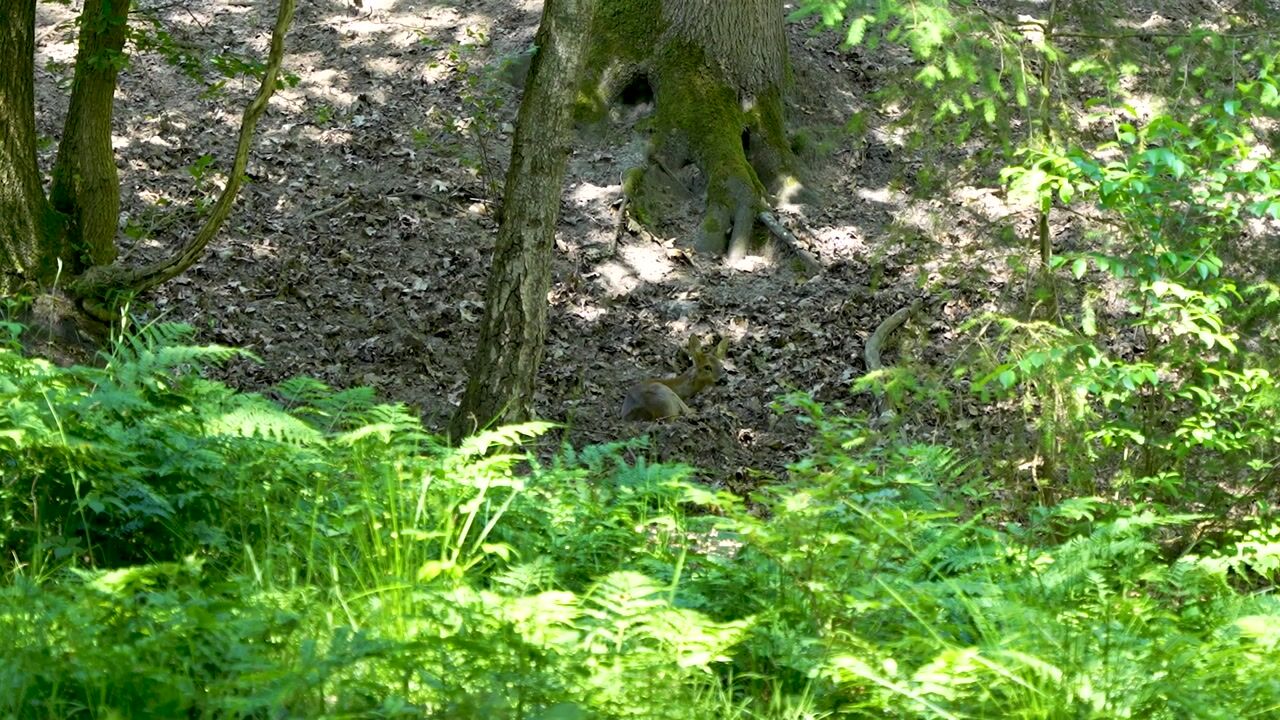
pixel 136 460
pixel 363 570
pixel 877 594
pixel 1177 398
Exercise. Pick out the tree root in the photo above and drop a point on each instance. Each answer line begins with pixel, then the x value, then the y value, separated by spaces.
pixel 740 233
pixel 789 244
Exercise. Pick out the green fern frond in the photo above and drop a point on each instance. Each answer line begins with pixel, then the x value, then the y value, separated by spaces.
pixel 506 436
pixel 255 417
pixel 302 390
pixel 161 348
pixel 534 576
pixel 395 415
pixel 625 594
pixel 349 402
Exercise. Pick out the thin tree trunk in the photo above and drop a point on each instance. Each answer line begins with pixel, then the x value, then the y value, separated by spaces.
pixel 100 284
pixel 27 223
pixel 505 365
pixel 86 184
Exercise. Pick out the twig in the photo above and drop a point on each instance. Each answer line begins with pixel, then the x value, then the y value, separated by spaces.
pixel 621 226
pixel 1095 218
pixel 871 353
pixel 331 209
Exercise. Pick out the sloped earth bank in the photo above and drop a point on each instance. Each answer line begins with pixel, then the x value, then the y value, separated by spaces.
pixel 358 252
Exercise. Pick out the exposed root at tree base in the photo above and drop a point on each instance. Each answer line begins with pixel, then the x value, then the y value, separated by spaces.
pixel 787 241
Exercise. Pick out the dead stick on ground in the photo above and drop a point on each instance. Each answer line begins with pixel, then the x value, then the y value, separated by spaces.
pixel 871 354
pixel 331 209
pixel 875 343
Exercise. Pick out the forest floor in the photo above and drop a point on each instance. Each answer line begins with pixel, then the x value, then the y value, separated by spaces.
pixel 359 251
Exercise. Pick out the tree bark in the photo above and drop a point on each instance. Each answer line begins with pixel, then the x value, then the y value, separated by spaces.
pixel 100 285
pixel 86 184
pixel 718 70
pixel 513 331
pixel 744 38
pixel 27 223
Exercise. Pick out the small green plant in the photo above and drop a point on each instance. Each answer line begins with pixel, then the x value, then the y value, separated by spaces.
pixel 482 96
pixel 204 190
pixel 323 115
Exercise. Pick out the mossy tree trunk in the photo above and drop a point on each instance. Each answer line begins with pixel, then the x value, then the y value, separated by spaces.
pixel 718 70
pixel 512 334
pixel 86 185
pixel 77 223
pixel 28 226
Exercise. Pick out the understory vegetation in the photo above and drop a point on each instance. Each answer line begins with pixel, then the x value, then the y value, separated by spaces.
pixel 173 547
pixel 177 549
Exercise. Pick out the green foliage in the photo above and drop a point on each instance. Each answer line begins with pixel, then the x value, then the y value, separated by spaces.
pixel 1015 79
pixel 978 72
pixel 1179 388
pixel 877 594
pixel 117 453
pixel 328 558
pixel 890 580
pixel 204 190
pixel 150 32
pixel 325 560
pixel 174 548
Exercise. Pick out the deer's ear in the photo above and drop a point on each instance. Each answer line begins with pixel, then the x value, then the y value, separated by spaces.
pixel 722 348
pixel 694 345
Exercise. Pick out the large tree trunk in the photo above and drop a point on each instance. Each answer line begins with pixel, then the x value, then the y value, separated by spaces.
pixel 86 185
pixel 718 70
pixel 512 334
pixel 28 226
pixel 744 38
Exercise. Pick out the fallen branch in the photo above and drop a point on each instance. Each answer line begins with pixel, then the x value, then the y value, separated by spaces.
pixel 329 210
pixel 871 353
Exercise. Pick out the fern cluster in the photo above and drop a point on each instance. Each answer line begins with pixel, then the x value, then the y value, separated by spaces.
pixel 876 589
pixel 182 549
pixel 186 549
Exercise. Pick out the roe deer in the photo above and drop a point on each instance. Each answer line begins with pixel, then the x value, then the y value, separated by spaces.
pixel 658 398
